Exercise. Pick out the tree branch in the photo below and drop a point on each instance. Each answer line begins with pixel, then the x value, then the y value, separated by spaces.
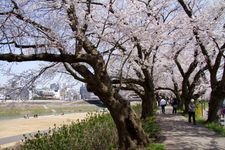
pixel 73 73
pixel 178 63
pixel 196 78
pixel 69 58
pixel 203 49
pixel 186 8
pixel 127 81
pixel 164 88
pixel 193 65
pixel 131 87
pixel 23 46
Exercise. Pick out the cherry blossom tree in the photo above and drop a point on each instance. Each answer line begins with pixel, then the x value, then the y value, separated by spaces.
pixel 208 31
pixel 70 32
pixel 190 77
pixel 152 25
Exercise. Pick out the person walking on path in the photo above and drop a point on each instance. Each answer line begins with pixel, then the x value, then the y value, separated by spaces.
pixel 174 105
pixel 191 111
pixel 163 105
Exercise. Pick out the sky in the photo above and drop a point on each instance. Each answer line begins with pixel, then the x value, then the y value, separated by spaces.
pixel 19 67
pixel 14 67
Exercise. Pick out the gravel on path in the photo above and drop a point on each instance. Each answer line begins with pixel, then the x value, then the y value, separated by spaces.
pixel 178 134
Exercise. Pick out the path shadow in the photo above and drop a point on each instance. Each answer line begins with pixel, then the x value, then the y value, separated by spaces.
pixel 177 133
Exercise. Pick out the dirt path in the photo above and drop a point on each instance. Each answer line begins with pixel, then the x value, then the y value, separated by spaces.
pixel 21 126
pixel 11 130
pixel 178 134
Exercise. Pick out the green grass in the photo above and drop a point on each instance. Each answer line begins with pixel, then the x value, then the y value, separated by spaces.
pixel 18 110
pixel 150 127
pixel 10 112
pixel 156 146
pixel 75 109
pixel 214 126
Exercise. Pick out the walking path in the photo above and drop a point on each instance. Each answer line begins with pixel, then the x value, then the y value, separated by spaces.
pixel 178 134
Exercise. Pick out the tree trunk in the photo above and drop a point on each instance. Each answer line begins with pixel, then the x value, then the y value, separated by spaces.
pixel 185 95
pixel 130 133
pixel 186 100
pixel 216 99
pixel 147 104
pixel 180 103
pixel 149 95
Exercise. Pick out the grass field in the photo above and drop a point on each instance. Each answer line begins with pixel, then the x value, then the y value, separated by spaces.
pixel 20 109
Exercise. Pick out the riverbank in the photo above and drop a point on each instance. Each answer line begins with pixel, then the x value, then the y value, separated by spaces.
pixel 13 127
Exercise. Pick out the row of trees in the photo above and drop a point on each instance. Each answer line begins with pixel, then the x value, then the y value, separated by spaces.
pixel 112 45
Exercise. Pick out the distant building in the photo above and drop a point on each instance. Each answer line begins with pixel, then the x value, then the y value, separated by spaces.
pixel 20 93
pixel 46 94
pixel 70 94
pixel 54 87
pixel 87 95
pixel 2 93
pixel 84 93
pixel 2 97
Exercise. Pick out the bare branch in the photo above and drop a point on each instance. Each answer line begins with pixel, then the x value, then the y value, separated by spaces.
pixel 196 78
pixel 45 57
pixel 186 8
pixel 193 65
pixel 23 46
pixel 84 72
pixel 203 49
pixel 164 88
pixel 178 63
pixel 121 69
pixel 139 48
pixel 132 87
pixel 40 73
pixel 27 20
pixel 72 72
pixel 128 81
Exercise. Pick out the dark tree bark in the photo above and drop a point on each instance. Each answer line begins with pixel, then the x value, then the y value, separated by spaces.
pixel 130 132
pixel 149 93
pixel 146 93
pixel 149 96
pixel 177 94
pixel 216 98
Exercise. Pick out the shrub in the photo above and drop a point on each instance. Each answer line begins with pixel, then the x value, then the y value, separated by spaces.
pixel 151 127
pixel 96 132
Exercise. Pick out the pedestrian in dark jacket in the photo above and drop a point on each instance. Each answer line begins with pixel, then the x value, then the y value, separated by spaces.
pixel 191 111
pixel 174 105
